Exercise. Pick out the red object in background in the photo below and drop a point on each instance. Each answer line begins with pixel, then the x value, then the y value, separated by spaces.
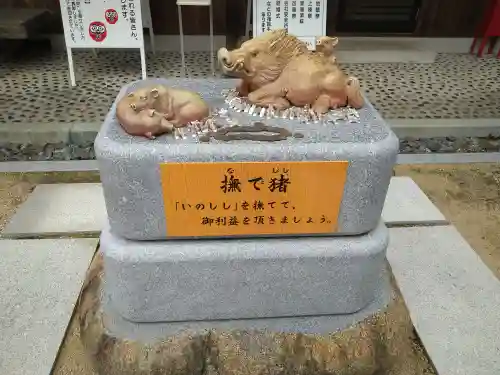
pixel 97 31
pixel 111 16
pixel 489 27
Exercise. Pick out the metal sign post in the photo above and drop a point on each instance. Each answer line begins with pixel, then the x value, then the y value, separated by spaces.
pixel 208 3
pixel 102 24
pixel 304 18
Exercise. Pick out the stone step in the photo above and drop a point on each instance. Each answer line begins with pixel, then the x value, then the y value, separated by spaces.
pixel 39 287
pixel 79 209
pixel 452 296
pixel 385 56
pixel 59 209
pixel 407 204
pixel 382 51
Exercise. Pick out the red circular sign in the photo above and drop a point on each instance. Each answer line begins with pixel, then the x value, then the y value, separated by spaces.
pixel 97 31
pixel 111 16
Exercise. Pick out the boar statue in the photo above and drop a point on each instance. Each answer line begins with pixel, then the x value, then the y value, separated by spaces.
pixel 277 69
pixel 155 110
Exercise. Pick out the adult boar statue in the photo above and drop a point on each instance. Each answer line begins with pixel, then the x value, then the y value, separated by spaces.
pixel 277 69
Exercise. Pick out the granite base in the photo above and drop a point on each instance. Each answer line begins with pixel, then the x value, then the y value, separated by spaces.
pixel 151 281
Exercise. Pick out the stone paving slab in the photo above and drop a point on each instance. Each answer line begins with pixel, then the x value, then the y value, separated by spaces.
pixel 385 56
pixel 452 296
pixel 406 204
pixel 79 209
pixel 59 209
pixel 40 284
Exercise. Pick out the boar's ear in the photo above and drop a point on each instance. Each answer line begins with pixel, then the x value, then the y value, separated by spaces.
pixel 155 93
pixel 335 41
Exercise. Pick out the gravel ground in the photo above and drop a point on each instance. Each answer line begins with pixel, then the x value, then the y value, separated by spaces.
pixel 61 151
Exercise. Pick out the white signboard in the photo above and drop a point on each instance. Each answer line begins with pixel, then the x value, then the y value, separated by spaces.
pixel 305 19
pixel 102 24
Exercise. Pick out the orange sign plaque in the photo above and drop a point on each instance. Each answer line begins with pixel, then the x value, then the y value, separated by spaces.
pixel 252 198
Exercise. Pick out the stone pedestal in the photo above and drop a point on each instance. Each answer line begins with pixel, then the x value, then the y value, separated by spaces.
pixel 181 280
pixel 221 287
pixel 378 341
pixel 130 166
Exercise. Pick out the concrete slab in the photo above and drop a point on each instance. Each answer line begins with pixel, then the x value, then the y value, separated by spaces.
pixel 40 284
pixel 382 51
pixel 453 298
pixel 59 209
pixel 406 204
pixel 459 127
pixel 461 158
pixel 385 56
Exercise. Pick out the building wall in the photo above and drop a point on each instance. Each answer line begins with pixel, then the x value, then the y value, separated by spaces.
pixel 450 18
pixel 164 14
pixel 437 18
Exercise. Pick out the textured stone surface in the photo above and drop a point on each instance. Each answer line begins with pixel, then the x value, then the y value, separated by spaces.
pixel 59 209
pixel 40 283
pixel 130 165
pixel 406 204
pixel 374 343
pixel 149 332
pixel 242 278
pixel 453 298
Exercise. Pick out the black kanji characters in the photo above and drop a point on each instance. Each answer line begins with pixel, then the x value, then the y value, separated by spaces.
pixel 230 184
pixel 258 205
pixel 207 221
pixel 221 220
pixel 279 184
pixel 259 219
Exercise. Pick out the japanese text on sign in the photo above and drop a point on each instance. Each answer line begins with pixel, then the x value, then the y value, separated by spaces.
pixel 305 19
pixel 97 23
pixel 252 198
pixel 285 14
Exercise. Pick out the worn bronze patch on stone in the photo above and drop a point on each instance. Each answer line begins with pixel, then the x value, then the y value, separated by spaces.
pixel 256 132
